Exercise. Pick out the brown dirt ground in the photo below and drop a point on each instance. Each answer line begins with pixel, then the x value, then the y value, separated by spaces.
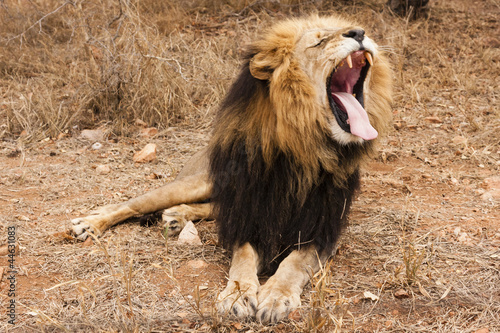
pixel 420 207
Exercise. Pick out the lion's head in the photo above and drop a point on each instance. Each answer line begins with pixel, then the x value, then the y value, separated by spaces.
pixel 309 88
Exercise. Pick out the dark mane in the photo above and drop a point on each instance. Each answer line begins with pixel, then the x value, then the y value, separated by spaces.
pixel 258 203
pixel 242 90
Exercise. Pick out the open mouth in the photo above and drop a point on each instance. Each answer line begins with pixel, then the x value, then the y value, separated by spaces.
pixel 345 95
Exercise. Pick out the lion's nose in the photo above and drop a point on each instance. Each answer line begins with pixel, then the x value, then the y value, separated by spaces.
pixel 357 34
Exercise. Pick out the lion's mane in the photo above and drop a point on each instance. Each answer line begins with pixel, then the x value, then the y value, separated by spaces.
pixel 280 181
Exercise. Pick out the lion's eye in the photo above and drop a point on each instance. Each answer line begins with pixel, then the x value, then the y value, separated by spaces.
pixel 320 42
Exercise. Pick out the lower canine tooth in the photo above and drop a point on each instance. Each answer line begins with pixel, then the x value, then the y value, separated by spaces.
pixel 368 56
pixel 349 61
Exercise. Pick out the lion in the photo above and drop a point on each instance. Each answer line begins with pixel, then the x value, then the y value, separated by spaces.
pixel 279 175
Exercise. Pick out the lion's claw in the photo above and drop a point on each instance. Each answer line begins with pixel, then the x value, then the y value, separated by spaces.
pixel 238 299
pixel 276 302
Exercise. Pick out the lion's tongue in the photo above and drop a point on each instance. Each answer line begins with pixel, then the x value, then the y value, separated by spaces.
pixel 358 118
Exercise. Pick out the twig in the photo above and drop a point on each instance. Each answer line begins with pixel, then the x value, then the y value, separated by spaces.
pixel 39 22
pixel 179 67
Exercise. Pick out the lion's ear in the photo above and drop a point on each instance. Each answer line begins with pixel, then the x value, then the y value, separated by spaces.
pixel 260 67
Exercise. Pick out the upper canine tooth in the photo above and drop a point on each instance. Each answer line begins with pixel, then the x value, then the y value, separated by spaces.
pixel 368 56
pixel 349 61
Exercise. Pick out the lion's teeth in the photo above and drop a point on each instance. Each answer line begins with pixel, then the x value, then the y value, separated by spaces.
pixel 368 56
pixel 349 61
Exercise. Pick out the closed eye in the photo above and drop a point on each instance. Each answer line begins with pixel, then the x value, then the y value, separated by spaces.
pixel 320 42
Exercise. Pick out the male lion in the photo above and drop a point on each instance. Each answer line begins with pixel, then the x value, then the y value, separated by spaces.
pixel 281 169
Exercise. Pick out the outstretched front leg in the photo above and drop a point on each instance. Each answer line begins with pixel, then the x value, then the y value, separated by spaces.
pixel 189 189
pixel 281 293
pixel 240 296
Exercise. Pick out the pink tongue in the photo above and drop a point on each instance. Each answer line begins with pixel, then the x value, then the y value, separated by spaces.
pixel 358 118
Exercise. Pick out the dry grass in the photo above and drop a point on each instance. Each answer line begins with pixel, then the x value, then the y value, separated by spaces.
pixel 79 64
pixel 66 66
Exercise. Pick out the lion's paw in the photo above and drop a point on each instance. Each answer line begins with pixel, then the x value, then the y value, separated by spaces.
pixel 239 299
pixel 81 227
pixel 174 221
pixel 93 223
pixel 276 301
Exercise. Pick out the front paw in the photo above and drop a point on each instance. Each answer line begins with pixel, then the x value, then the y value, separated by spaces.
pixel 276 301
pixel 82 226
pixel 92 223
pixel 238 299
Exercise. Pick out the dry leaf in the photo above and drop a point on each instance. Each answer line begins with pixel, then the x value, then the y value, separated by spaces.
pixel 139 122
pixel 446 293
pixel 423 291
pixel 434 120
pixel 238 326
pixel 62 236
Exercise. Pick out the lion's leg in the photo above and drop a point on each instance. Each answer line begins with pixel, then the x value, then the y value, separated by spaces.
pixel 281 293
pixel 189 189
pixel 175 218
pixel 240 296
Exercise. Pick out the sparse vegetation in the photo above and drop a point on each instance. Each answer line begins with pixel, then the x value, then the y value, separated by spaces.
pixel 420 223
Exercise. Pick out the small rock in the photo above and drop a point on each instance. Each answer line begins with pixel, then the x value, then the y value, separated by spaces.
pixel 147 154
pixel 93 135
pixel 370 296
pixel 148 132
pixel 97 146
pixel 103 169
pixel 88 242
pixel 189 235
pixel 401 293
pixel 196 264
